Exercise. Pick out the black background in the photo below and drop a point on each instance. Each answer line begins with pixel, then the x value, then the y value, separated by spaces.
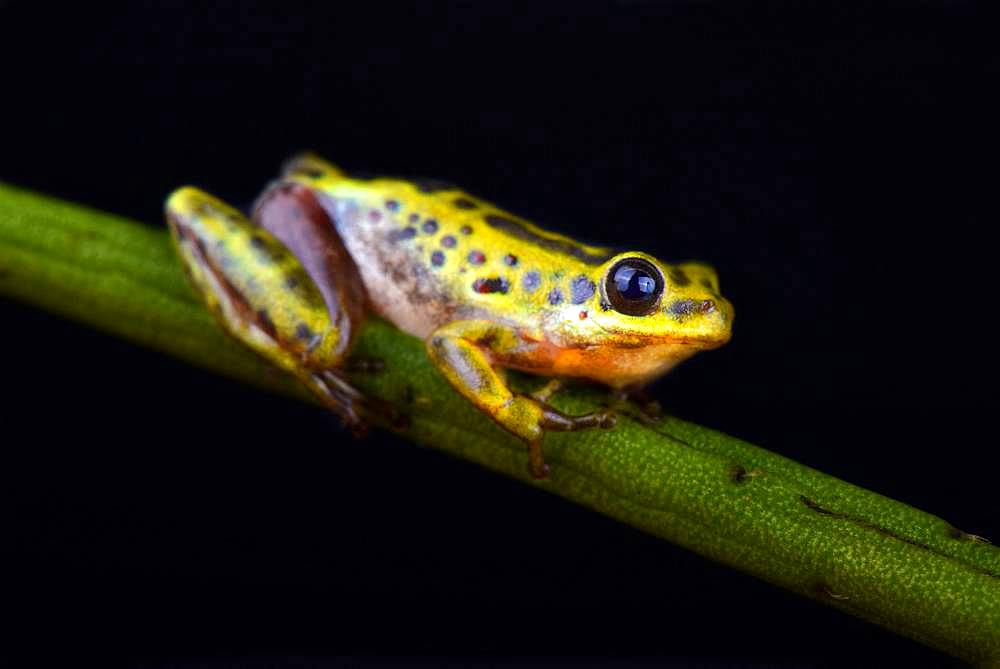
pixel 835 165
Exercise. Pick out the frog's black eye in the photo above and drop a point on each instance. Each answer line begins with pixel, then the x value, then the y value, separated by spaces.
pixel 634 286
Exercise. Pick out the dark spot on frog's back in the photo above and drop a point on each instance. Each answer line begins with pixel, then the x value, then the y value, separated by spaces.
pixel 266 253
pixel 303 332
pixel 402 235
pixel 555 297
pixel 531 281
pixel 518 230
pixel 464 203
pixel 581 289
pixel 678 277
pixel 494 285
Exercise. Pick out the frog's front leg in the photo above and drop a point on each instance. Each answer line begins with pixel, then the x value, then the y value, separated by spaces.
pixel 464 351
pixel 263 296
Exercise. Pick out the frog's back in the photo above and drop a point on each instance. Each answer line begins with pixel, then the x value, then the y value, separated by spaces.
pixel 429 253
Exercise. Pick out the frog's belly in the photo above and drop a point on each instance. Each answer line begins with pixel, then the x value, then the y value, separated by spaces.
pixel 614 366
pixel 618 367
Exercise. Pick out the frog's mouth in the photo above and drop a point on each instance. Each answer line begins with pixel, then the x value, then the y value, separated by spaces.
pixel 703 337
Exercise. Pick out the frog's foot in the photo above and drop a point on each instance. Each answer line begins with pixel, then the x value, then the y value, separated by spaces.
pixel 264 297
pixel 461 351
pixel 556 421
pixel 340 398
pixel 353 405
pixel 636 403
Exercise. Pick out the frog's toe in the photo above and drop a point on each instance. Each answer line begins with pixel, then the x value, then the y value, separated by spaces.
pixel 351 404
pixel 339 397
pixel 636 404
pixel 648 413
pixel 606 419
pixel 652 409
pixel 536 461
pixel 556 421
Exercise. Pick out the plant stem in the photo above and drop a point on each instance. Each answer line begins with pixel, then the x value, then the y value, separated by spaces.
pixel 728 500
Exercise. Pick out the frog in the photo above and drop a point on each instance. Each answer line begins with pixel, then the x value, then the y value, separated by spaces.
pixel 485 290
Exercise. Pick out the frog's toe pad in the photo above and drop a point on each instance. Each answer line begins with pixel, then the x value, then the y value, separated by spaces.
pixel 636 405
pixel 606 419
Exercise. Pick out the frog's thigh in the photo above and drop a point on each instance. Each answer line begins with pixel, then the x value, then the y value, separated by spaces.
pixel 259 292
pixel 461 350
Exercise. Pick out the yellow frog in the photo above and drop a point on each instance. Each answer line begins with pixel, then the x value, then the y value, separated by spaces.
pixel 484 289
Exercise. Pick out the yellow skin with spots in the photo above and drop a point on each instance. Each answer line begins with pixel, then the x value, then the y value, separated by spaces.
pixel 485 289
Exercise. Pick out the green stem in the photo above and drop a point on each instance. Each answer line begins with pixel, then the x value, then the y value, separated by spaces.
pixel 865 554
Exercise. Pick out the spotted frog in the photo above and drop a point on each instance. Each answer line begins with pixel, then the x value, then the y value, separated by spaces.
pixel 484 289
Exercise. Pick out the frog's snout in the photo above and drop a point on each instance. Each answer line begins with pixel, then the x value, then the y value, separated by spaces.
pixel 686 307
pixel 707 320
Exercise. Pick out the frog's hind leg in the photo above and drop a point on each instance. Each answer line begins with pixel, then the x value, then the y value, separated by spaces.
pixel 262 295
pixel 292 213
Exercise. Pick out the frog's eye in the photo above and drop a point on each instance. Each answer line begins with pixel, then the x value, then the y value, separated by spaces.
pixel 634 286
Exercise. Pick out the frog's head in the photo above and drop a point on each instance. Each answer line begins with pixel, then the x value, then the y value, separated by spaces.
pixel 643 301
pixel 643 316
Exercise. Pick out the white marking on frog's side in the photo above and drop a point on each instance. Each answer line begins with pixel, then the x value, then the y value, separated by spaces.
pixel 399 287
